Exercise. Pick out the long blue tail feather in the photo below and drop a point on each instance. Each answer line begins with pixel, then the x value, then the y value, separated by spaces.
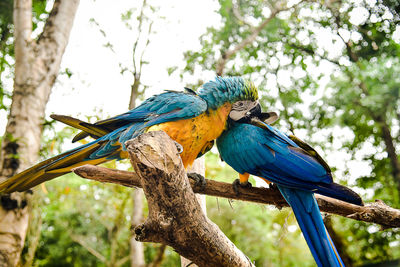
pixel 310 221
pixel 51 168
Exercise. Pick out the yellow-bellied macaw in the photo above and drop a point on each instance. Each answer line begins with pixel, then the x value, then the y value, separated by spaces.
pixel 251 146
pixel 192 119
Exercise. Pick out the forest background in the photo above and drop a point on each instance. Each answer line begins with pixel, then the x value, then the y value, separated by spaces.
pixel 329 68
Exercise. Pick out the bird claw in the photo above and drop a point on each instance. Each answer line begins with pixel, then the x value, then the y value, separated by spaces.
pixel 199 180
pixel 273 186
pixel 236 184
pixel 179 147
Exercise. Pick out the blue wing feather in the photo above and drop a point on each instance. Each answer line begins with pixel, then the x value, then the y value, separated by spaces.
pixel 270 154
pixel 164 107
pixel 168 106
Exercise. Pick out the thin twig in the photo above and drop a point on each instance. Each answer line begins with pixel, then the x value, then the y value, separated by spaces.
pixel 80 241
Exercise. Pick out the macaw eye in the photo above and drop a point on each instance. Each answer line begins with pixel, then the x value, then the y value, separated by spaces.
pixel 240 105
pixel 243 109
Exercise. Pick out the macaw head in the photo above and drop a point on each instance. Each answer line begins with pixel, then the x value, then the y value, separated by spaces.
pixel 242 94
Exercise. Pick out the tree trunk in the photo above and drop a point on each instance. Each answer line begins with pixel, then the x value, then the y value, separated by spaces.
pixel 136 248
pixel 137 251
pixel 339 243
pixel 200 168
pixel 175 216
pixel 34 231
pixel 134 91
pixel 392 154
pixel 36 67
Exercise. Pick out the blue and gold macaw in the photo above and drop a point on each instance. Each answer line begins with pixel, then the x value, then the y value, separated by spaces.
pixel 193 120
pixel 251 146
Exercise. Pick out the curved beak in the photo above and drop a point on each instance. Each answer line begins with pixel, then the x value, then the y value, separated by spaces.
pixel 269 117
pixel 257 122
pixel 244 116
pixel 263 119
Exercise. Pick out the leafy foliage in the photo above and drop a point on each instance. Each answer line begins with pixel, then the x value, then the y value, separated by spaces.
pixel 331 69
pixel 329 72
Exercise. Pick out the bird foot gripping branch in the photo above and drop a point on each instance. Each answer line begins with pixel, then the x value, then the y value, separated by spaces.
pixel 200 180
pixel 237 185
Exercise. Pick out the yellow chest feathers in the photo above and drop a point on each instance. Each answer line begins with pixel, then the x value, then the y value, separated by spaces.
pixel 195 134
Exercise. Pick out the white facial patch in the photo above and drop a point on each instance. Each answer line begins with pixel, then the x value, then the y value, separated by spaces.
pixel 241 109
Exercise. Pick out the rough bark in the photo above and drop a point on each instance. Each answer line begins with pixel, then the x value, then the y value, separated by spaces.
pixel 175 216
pixel 375 212
pixel 199 168
pixel 391 151
pixel 36 67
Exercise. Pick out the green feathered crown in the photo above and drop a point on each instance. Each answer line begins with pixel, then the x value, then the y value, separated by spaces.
pixel 227 89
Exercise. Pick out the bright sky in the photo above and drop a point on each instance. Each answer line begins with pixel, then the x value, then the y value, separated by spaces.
pixel 96 83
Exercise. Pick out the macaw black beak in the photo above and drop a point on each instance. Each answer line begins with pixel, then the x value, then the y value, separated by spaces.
pixel 262 119
pixel 257 122
pixel 269 117
pixel 254 112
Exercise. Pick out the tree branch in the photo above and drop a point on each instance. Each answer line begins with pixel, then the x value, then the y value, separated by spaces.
pixel 255 31
pixel 386 135
pixel 80 240
pixel 225 57
pixel 175 216
pixel 376 212
pixel 159 256
pixel 55 35
pixel 239 17
pixel 22 17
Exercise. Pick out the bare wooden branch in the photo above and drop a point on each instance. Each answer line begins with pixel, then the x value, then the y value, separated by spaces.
pixel 175 217
pixel 376 212
pixel 239 17
pixel 159 256
pixel 137 248
pixel 226 56
pixel 255 31
pixel 80 240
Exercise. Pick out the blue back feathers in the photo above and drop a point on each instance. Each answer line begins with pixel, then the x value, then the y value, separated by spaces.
pixel 270 154
pixel 172 106
pixel 111 134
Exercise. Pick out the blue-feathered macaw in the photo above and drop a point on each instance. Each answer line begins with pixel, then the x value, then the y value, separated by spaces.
pixel 251 146
pixel 192 119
